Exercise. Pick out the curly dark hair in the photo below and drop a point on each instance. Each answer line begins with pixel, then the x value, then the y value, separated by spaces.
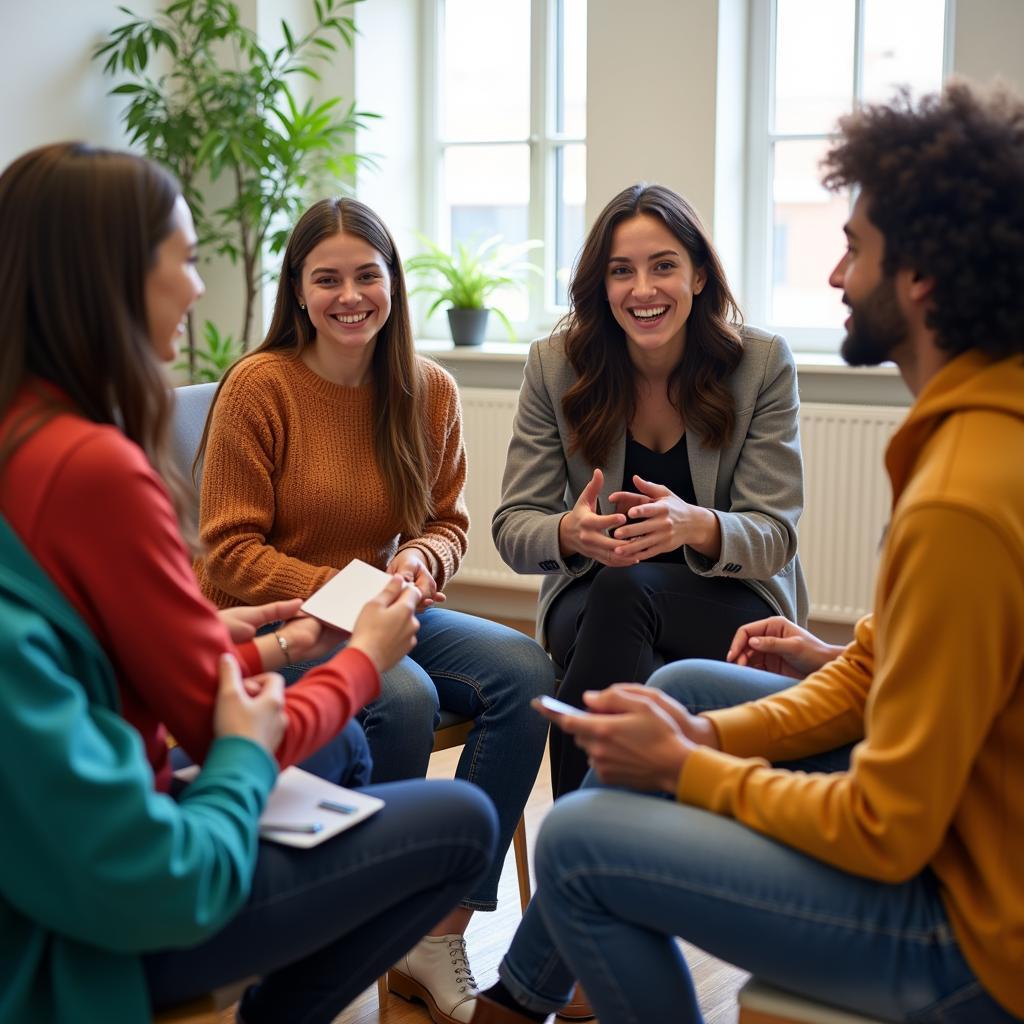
pixel 944 183
pixel 603 398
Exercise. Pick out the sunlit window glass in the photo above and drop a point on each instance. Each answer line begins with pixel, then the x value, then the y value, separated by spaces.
pixel 830 55
pixel 486 70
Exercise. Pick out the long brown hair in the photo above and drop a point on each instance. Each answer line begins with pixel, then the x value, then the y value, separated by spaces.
pixel 604 395
pixel 79 230
pixel 399 437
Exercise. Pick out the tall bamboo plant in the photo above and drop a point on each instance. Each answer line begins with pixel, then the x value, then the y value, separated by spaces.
pixel 222 106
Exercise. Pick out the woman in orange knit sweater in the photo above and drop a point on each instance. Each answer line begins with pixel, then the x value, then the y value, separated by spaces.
pixel 334 441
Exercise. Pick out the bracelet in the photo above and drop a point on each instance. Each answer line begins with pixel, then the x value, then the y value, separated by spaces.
pixel 282 642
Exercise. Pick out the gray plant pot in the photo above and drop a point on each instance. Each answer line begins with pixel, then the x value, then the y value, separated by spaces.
pixel 467 325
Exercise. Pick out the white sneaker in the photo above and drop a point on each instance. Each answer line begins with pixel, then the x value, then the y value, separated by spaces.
pixel 436 971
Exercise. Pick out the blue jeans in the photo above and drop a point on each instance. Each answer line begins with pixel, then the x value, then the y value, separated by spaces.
pixel 480 670
pixel 620 873
pixel 321 924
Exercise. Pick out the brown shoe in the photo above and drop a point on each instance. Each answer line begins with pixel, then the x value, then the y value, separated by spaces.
pixel 578 1008
pixel 487 1011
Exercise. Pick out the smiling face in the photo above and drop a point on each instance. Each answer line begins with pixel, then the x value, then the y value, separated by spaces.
pixel 876 326
pixel 346 288
pixel 173 284
pixel 650 282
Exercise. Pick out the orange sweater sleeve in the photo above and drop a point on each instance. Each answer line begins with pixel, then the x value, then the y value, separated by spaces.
pixel 238 501
pixel 943 674
pixel 444 534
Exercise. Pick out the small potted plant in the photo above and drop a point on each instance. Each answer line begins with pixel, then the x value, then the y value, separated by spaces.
pixel 465 279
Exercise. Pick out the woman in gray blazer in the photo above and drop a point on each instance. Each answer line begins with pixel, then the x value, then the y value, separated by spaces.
pixel 654 475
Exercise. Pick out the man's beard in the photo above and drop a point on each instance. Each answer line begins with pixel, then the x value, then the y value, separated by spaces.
pixel 877 326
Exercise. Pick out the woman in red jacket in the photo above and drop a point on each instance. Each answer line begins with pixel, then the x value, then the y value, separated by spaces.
pixel 97 251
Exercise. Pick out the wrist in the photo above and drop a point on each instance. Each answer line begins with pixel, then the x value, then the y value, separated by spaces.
pixel 284 644
pixel 566 545
pixel 708 540
pixel 674 764
pixel 358 645
pixel 705 733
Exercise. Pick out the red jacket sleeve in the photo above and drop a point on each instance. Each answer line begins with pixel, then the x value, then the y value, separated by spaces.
pixel 111 529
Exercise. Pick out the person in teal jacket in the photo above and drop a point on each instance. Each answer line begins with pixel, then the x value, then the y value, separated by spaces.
pixel 95 865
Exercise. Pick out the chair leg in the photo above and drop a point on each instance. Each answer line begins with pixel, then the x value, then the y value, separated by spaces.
pixel 382 990
pixel 522 863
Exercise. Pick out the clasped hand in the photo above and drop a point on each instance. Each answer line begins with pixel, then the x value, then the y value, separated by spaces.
pixel 645 523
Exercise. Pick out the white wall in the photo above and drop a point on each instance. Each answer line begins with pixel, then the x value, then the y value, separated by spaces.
pixel 651 72
pixel 988 40
pixel 50 89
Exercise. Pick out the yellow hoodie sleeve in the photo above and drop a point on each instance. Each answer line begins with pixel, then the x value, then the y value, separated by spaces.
pixel 946 601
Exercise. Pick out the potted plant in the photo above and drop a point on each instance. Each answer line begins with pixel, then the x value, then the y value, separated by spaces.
pixel 220 105
pixel 466 279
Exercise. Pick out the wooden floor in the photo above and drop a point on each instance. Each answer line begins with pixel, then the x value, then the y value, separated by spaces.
pixel 489 936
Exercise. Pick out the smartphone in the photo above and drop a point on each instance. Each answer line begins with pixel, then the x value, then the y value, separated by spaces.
pixel 558 706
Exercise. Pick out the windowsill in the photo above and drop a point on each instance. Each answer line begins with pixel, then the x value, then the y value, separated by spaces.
pixel 822 377
pixel 516 352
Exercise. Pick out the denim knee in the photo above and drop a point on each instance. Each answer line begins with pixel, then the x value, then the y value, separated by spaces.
pixel 408 700
pixel 344 760
pixel 527 665
pixel 681 679
pixel 700 684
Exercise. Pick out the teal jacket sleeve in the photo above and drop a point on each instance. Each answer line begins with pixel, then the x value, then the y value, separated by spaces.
pixel 88 848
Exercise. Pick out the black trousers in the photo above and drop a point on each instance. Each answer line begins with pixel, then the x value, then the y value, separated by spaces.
pixel 619 625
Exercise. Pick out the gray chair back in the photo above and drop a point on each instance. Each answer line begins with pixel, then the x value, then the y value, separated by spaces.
pixel 191 407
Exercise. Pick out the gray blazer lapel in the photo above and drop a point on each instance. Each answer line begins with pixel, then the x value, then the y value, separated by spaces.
pixel 704 470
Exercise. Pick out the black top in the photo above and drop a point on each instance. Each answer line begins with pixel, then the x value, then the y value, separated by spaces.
pixel 671 469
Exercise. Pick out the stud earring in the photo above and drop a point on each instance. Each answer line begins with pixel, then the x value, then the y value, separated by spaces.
pixel 302 305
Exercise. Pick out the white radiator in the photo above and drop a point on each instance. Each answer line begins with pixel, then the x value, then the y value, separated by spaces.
pixel 846 504
pixel 846 498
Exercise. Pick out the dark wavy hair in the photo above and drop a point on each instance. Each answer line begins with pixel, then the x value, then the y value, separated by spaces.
pixel 944 183
pixel 399 437
pixel 604 396
pixel 79 231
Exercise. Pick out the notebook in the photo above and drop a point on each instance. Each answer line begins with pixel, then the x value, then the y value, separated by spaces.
pixel 302 801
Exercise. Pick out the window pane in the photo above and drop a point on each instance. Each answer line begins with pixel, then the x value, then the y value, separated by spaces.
pixel 813 64
pixel 902 46
pixel 571 62
pixel 807 239
pixel 486 70
pixel 570 197
pixel 486 193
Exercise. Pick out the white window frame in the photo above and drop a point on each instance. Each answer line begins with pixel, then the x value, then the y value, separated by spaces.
pixel 758 268
pixel 543 140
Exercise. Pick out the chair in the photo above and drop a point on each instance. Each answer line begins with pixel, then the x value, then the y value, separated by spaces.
pixel 761 1003
pixel 191 407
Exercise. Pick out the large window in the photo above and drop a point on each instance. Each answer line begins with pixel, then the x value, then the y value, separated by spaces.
pixel 505 119
pixel 813 60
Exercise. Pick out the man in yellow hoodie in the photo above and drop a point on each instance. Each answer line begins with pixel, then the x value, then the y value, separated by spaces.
pixel 858 836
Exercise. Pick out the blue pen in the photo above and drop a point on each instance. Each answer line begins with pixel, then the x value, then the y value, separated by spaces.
pixel 307 827
pixel 332 805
